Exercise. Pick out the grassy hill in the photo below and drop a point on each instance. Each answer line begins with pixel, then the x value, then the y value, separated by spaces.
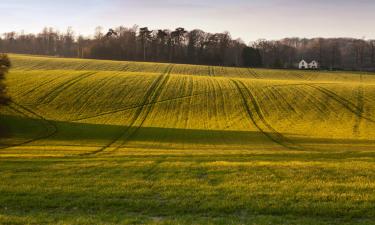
pixel 101 142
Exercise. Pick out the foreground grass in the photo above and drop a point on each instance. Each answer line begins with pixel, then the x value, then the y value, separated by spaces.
pixel 102 142
pixel 233 188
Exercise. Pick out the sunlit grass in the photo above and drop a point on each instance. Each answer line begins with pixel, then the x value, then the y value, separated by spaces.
pixel 104 142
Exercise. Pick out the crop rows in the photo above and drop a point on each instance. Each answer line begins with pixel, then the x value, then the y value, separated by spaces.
pixel 106 107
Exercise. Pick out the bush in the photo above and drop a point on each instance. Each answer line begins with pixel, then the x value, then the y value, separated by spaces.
pixel 4 67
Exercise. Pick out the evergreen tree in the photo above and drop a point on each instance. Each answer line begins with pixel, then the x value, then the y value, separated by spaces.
pixel 251 57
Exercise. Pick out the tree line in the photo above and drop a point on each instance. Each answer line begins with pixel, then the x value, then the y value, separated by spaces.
pixel 194 47
pixel 141 44
pixel 331 53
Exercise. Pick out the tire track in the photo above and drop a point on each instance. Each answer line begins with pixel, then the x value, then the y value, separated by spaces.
pixel 253 73
pixel 360 105
pixel 278 95
pixel 49 97
pixel 154 98
pixel 223 109
pixel 238 73
pixel 51 128
pixel 297 84
pixel 131 107
pixel 257 118
pixel 191 91
pixel 140 115
pixel 309 77
pixel 145 111
pixel 347 104
pixel 315 103
pixel 37 87
pixel 125 68
pixel 149 174
pixel 212 110
pixel 91 95
pixel 299 76
pixel 189 96
pixel 211 71
pixel 344 102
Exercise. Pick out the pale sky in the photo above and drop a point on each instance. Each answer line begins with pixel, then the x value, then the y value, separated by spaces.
pixel 246 19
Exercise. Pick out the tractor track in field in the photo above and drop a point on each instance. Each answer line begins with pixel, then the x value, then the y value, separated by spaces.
pixel 211 71
pixel 296 84
pixel 51 128
pixel 151 95
pixel 342 101
pixel 309 78
pixel 94 89
pixel 253 73
pixel 275 92
pixel 300 76
pixel 313 101
pixel 153 169
pixel 274 135
pixel 356 109
pixel 154 94
pixel 38 87
pixel 131 107
pixel 99 82
pixel 50 96
pixel 347 104
pixel 154 97
pixel 224 111
pixel 211 98
pixel 125 68
pixel 191 91
pixel 239 73
pixel 90 95
pixel 360 105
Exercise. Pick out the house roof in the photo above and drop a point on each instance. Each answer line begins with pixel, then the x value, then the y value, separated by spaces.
pixel 304 61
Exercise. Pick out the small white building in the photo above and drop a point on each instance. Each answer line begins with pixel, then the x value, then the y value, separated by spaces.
pixel 313 65
pixel 303 65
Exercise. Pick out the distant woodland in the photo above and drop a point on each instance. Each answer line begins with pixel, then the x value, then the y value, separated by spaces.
pixel 194 47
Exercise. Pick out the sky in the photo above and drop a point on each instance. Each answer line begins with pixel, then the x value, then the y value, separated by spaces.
pixel 246 19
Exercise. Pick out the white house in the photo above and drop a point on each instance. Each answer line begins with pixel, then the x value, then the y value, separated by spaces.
pixel 313 65
pixel 303 65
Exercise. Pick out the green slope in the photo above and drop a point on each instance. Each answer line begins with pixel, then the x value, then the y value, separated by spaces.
pixel 167 143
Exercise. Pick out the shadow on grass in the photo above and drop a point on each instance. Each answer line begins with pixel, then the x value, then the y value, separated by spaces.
pixel 149 137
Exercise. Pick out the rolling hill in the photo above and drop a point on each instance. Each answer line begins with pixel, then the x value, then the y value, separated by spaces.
pixel 167 143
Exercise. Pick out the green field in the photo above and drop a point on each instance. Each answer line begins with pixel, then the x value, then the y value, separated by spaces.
pixel 106 142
